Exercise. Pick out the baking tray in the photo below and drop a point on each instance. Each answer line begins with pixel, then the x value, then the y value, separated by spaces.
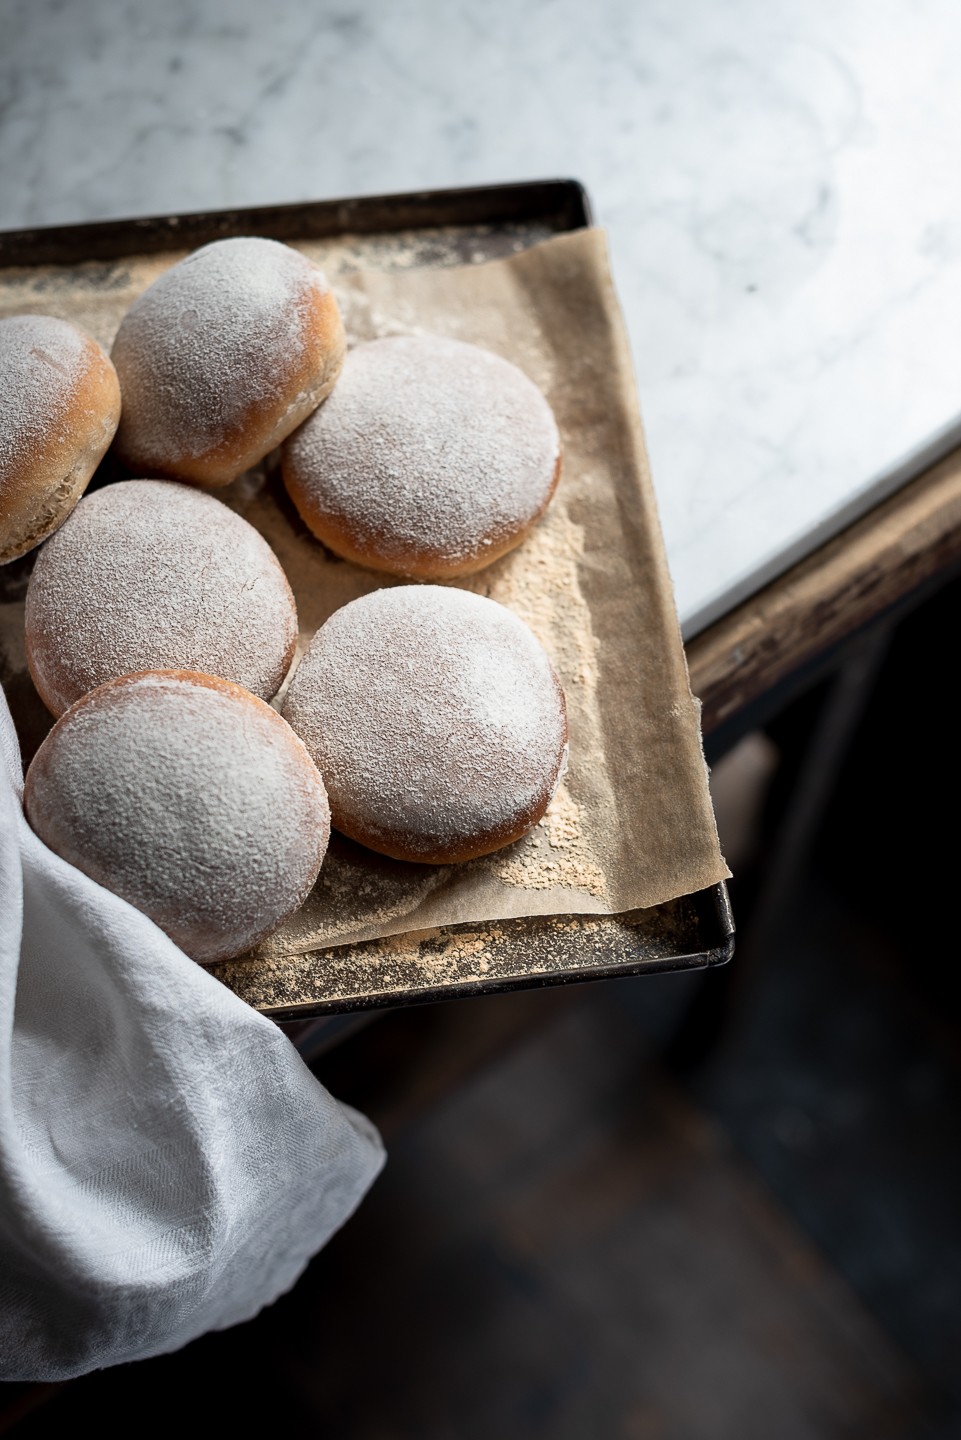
pixel 450 227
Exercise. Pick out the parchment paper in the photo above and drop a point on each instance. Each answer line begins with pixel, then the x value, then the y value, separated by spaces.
pixel 632 825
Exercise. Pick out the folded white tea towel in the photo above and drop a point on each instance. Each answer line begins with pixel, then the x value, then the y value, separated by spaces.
pixel 168 1164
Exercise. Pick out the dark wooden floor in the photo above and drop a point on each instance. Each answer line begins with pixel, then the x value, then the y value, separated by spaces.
pixel 564 1247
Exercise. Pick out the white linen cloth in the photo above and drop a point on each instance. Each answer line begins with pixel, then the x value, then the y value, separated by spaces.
pixel 168 1164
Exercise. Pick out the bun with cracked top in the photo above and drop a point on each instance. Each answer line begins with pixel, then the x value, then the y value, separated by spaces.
pixel 59 408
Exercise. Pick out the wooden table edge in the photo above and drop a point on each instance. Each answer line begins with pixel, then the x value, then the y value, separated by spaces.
pixel 910 539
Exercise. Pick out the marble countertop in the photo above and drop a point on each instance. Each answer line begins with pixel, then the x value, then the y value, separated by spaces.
pixel 780 182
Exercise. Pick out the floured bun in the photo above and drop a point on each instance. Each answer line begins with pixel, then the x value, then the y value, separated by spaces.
pixel 436 720
pixel 152 575
pixel 430 459
pixel 222 357
pixel 189 798
pixel 59 408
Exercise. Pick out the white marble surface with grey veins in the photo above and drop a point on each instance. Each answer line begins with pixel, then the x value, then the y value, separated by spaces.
pixel 781 180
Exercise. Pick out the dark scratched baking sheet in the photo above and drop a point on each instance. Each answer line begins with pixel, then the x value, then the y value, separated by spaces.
pixel 691 932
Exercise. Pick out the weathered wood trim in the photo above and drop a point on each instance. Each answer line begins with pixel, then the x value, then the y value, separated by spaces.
pixel 908 540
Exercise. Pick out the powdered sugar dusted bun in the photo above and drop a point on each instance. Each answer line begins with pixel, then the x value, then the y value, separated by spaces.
pixel 59 408
pixel 436 720
pixel 189 798
pixel 223 357
pixel 152 575
pixel 430 459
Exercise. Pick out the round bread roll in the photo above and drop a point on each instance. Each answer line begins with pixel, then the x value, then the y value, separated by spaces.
pixel 189 798
pixel 152 575
pixel 223 357
pixel 59 408
pixel 430 459
pixel 436 720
